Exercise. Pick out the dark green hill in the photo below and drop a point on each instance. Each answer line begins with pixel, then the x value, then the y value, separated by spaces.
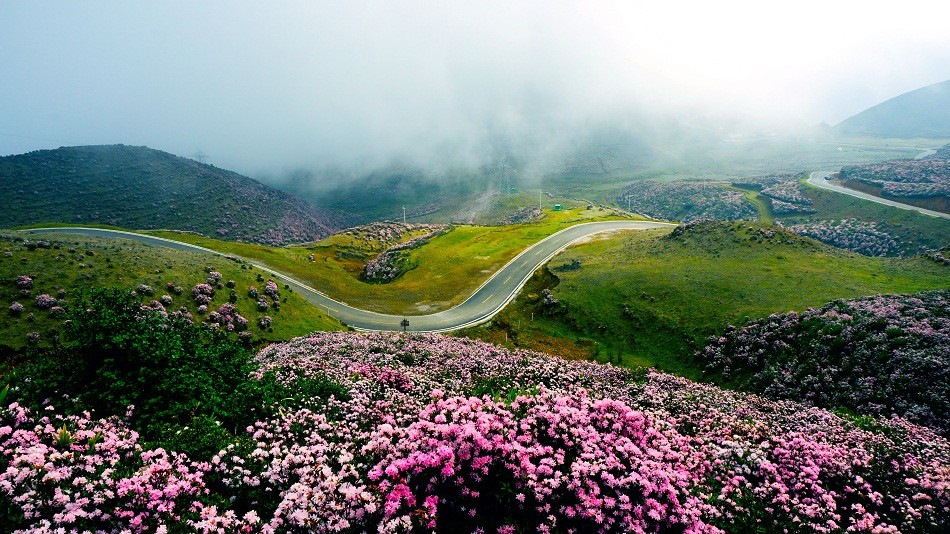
pixel 142 188
pixel 924 112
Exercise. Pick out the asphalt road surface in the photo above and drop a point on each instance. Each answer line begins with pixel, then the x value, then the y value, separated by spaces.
pixel 487 300
pixel 820 179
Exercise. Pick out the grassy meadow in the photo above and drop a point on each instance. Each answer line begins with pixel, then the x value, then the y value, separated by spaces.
pixel 448 269
pixel 64 265
pixel 651 298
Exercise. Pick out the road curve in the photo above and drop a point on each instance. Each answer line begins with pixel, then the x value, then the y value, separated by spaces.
pixel 820 179
pixel 487 300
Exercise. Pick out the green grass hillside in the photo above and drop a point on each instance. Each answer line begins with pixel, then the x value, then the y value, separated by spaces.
pixel 61 266
pixel 137 187
pixel 651 298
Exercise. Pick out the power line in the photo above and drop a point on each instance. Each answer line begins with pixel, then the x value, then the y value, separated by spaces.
pixel 35 138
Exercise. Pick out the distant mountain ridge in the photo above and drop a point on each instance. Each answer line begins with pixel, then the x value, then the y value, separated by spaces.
pixel 143 188
pixel 924 112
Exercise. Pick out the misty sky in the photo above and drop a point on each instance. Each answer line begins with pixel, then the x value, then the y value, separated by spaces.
pixel 260 88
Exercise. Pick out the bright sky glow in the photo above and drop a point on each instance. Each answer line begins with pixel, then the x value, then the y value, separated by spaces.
pixel 260 87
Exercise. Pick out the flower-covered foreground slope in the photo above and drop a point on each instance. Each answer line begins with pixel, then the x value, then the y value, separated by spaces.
pixel 390 432
pixel 878 356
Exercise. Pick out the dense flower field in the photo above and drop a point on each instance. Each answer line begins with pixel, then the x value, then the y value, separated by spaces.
pixel 784 192
pixel 685 201
pixel 788 198
pixel 879 356
pixel 426 433
pixel 851 234
pixel 928 177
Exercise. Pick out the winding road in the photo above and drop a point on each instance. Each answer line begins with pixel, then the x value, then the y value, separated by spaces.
pixel 820 179
pixel 487 300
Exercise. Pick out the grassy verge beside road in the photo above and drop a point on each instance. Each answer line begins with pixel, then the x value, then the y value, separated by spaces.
pixel 448 269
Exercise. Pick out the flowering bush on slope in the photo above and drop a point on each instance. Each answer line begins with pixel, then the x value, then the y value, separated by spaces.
pixel 392 432
pixel 928 177
pixel 684 200
pixel 91 474
pixel 877 356
pixel 394 261
pixel 851 234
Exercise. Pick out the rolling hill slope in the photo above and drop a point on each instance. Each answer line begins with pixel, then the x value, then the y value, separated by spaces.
pixel 142 188
pixel 924 112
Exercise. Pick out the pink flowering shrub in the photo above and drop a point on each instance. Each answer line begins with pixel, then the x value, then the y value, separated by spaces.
pixel 544 463
pixel 227 317
pixel 16 309
pixel 272 290
pixel 877 356
pixel 202 293
pixel 77 473
pixel 780 466
pixel 214 277
pixel 24 282
pixel 45 301
pixel 780 207
pixel 264 322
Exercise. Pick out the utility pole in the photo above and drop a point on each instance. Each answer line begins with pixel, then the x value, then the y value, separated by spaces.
pixel 200 156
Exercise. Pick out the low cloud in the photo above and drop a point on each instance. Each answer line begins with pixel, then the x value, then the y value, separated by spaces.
pixel 356 85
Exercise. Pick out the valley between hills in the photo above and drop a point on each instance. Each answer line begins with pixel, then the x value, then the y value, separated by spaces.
pixel 752 352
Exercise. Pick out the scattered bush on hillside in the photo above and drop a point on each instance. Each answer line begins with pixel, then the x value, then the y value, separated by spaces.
pixel 272 290
pixel 45 301
pixel 879 356
pixel 524 215
pixel 202 293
